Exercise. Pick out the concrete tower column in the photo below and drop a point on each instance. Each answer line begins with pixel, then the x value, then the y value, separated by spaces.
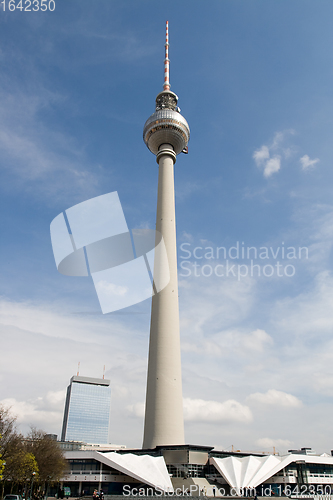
pixel 166 134
pixel 164 422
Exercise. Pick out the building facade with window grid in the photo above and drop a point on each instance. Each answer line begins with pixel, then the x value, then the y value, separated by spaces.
pixel 87 410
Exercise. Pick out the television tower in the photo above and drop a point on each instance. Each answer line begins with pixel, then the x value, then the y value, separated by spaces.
pixel 166 134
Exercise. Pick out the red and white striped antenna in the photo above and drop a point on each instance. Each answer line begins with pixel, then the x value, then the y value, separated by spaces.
pixel 166 85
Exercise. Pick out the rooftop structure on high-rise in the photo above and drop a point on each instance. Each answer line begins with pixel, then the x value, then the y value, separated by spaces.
pixel 87 410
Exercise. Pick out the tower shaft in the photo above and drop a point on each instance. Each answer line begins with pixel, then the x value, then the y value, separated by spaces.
pixel 164 424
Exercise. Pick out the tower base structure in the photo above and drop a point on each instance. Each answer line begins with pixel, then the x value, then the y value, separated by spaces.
pixel 199 471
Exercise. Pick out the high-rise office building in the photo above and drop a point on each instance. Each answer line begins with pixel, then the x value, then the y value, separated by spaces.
pixel 87 410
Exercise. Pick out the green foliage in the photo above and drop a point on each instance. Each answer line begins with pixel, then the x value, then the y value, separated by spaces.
pixel 36 457
pixel 2 464
pixel 26 467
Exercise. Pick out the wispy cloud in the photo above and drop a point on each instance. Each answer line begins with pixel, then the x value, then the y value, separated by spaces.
pixel 261 155
pixel 307 163
pixel 136 409
pixel 34 154
pixel 272 166
pixel 249 343
pixel 230 343
pixel 35 412
pixel 275 398
pixel 53 330
pixel 257 341
pixel 270 443
pixel 269 156
pixel 116 43
pixel 266 156
pixel 200 410
pixel 214 411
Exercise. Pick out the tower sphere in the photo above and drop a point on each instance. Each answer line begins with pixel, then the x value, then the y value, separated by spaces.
pixel 166 125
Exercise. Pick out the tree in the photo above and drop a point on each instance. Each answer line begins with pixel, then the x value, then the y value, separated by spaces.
pixel 36 458
pixel 50 458
pixel 2 464
pixel 7 430
pixel 10 444
pixel 25 466
pixel 27 470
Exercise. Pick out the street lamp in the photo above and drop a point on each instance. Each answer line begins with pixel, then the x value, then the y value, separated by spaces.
pixel 32 483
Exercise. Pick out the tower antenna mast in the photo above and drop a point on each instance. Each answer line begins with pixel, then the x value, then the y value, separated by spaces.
pixel 166 85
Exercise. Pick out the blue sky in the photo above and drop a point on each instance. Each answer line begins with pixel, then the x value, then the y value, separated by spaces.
pixel 254 80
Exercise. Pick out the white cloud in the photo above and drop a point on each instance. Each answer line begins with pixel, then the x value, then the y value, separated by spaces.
pixel 272 166
pixel 36 391
pixel 34 412
pixel 199 410
pixel 275 398
pixel 211 304
pixel 208 308
pixel 257 340
pixel 52 322
pixel 215 317
pixel 323 380
pixel 56 399
pixel 289 152
pixel 137 409
pixel 296 356
pixel 240 343
pixel 308 315
pixel 187 237
pixel 213 411
pixel 280 136
pixel 33 154
pixel 187 189
pixel 307 163
pixel 111 290
pixel 230 343
pixel 261 155
pixel 270 443
pixel 269 165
